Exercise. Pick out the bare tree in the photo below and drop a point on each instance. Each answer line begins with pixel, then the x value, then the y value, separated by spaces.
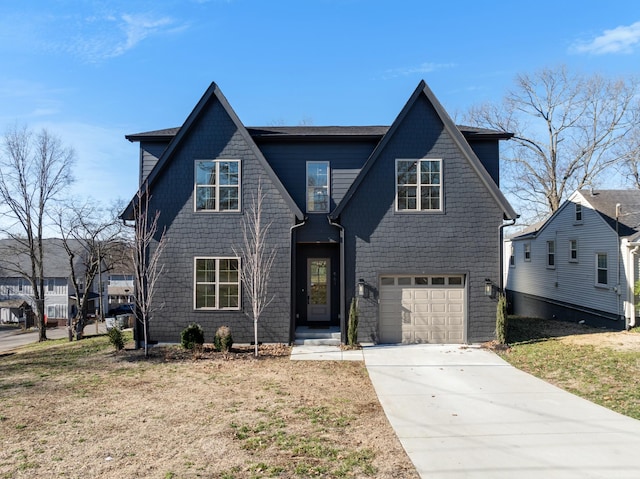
pixel 34 171
pixel 148 246
pixel 566 129
pixel 91 238
pixel 257 259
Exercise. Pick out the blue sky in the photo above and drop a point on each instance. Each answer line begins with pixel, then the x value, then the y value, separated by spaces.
pixel 93 71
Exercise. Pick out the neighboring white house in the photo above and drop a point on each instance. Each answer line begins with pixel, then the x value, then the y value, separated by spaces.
pixel 59 293
pixel 581 263
pixel 120 289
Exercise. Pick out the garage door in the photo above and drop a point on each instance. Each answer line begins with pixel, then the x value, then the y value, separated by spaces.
pixel 422 309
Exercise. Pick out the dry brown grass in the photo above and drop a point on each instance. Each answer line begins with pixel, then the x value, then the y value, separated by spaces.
pixel 78 410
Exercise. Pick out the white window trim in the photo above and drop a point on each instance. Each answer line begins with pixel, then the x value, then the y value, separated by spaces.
pixel 549 253
pixel 597 269
pixel 217 283
pixel 216 186
pixel 306 188
pixel 573 260
pixel 526 248
pixel 419 187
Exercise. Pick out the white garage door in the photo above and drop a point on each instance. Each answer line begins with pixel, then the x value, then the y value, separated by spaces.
pixel 422 309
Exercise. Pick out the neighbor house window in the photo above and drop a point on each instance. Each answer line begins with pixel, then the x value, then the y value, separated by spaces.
pixel 217 185
pixel 418 185
pixel 217 283
pixel 527 251
pixel 573 251
pixel 20 285
pixel 602 274
pixel 512 257
pixel 578 213
pixel 50 285
pixel 551 254
pixel 318 187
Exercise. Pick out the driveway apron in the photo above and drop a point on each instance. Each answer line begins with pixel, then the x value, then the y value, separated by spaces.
pixel 465 413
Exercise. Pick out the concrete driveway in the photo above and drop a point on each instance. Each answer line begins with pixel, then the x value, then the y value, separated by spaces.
pixel 466 413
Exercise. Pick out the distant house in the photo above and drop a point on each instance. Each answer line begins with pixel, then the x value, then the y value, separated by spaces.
pixel 59 293
pixel 580 264
pixel 407 217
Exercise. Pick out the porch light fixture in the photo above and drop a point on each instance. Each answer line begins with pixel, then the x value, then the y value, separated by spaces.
pixel 489 289
pixel 362 289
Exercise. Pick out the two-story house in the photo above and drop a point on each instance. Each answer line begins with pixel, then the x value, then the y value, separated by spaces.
pixel 59 293
pixel 407 217
pixel 581 263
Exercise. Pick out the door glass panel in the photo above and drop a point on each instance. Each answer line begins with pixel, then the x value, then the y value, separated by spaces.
pixel 318 279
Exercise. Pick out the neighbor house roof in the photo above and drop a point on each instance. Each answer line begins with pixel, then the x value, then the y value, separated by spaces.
pixel 14 257
pixel 605 203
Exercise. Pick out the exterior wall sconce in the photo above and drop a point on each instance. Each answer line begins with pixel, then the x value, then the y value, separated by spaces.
pixel 489 288
pixel 363 291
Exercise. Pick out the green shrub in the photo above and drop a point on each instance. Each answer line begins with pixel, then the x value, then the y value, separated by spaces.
pixel 191 336
pixel 352 327
pixel 116 338
pixel 501 319
pixel 223 339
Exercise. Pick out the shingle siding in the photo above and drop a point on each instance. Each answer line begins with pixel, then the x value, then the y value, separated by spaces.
pixel 463 239
pixel 192 234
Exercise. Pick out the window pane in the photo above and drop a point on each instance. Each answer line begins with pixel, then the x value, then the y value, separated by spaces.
pixel 228 198
pixel 205 173
pixel 455 280
pixel 387 281
pixel 430 172
pixel 437 280
pixel 430 198
pixel 205 271
pixel 407 197
pixel 602 261
pixel 228 271
pixel 404 281
pixel 422 280
pixel 229 296
pixel 229 173
pixel 317 187
pixel 205 296
pixel 205 198
pixel 407 173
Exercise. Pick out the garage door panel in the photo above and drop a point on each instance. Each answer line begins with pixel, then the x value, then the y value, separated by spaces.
pixel 422 313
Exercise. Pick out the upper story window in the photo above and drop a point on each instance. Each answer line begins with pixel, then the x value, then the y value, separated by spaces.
pixel 602 270
pixel 217 283
pixel 578 216
pixel 527 251
pixel 317 187
pixel 418 185
pixel 573 251
pixel 512 257
pixel 20 285
pixel 551 254
pixel 50 285
pixel 217 185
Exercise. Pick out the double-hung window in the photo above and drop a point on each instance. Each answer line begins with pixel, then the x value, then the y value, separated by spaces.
pixel 551 254
pixel 527 251
pixel 217 185
pixel 578 213
pixel 418 185
pixel 217 283
pixel 573 251
pixel 317 187
pixel 602 271
pixel 512 257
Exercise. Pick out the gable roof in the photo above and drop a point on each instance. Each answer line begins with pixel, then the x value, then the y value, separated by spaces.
pixel 603 202
pixel 213 93
pixel 13 256
pixel 458 139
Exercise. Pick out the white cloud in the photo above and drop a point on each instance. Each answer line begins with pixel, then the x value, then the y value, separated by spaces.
pixel 426 67
pixel 622 39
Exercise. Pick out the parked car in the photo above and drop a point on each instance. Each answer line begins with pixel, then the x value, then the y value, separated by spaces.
pixel 122 309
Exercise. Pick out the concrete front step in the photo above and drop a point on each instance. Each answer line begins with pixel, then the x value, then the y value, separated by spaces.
pixel 317 336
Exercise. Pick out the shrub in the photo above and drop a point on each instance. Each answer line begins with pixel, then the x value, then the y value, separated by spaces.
pixel 223 339
pixel 191 336
pixel 352 327
pixel 501 319
pixel 116 338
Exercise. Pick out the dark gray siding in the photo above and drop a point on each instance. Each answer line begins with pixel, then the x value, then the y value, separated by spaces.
pixel 150 152
pixel 462 240
pixel 289 159
pixel 214 135
pixel 488 152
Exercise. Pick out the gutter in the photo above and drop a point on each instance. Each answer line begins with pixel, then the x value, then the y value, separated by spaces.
pixel 292 283
pixel 342 285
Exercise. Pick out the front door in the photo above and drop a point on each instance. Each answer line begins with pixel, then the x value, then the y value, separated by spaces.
pixel 318 289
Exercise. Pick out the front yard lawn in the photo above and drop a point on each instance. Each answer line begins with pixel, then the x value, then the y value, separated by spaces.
pixel 80 410
pixel 601 366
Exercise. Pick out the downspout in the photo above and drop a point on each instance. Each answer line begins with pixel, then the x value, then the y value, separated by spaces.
pixel 501 250
pixel 619 246
pixel 342 285
pixel 632 320
pixel 292 329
